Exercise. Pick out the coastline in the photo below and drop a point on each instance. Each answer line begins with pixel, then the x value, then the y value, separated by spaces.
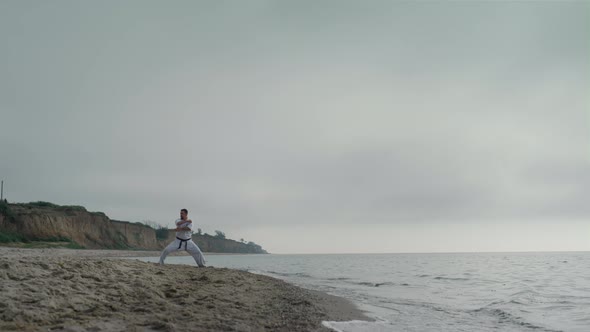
pixel 90 290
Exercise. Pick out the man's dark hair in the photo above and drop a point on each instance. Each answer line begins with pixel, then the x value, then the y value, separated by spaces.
pixel 184 210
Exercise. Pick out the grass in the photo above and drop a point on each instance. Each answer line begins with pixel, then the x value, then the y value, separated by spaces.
pixel 15 239
pixel 43 204
pixel 8 237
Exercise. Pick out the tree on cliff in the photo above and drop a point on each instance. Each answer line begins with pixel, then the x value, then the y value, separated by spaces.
pixel 161 231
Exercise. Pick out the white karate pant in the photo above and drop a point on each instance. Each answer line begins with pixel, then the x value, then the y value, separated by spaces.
pixel 189 246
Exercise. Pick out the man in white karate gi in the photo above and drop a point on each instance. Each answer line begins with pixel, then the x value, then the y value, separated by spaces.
pixel 184 240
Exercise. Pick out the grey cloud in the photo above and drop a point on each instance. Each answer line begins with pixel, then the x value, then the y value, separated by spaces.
pixel 273 113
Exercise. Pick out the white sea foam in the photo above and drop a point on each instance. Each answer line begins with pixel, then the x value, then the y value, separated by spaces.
pixel 358 326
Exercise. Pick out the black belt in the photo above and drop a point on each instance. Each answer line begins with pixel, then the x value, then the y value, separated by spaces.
pixel 185 242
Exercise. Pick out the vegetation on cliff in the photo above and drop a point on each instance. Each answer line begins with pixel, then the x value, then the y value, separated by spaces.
pixel 212 243
pixel 6 211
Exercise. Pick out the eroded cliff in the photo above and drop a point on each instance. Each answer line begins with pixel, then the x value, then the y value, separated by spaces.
pixel 87 229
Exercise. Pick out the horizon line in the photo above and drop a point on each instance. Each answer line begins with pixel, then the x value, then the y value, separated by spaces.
pixel 436 252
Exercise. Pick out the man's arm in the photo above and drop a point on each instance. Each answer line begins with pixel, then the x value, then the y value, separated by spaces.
pixel 179 229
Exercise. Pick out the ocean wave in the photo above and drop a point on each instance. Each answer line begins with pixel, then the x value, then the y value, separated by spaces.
pixel 295 274
pixel 504 317
pixel 450 278
pixel 378 284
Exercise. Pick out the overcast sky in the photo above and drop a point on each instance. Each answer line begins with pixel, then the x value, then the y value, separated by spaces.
pixel 307 126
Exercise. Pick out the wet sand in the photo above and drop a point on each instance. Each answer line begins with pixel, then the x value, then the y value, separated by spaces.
pixel 92 290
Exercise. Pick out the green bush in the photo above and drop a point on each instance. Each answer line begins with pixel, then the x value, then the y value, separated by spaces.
pixel 41 204
pixel 71 208
pixel 74 245
pixel 59 238
pixel 162 233
pixel 8 237
pixel 6 211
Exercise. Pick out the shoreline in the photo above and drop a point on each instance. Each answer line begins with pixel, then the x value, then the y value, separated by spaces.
pixel 80 290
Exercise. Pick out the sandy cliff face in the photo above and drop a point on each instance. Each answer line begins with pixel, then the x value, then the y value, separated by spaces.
pixel 91 230
pixel 137 236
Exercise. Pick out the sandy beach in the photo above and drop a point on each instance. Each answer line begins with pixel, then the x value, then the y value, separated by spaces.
pixel 93 290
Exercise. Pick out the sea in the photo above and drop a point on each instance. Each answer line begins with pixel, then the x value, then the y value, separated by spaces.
pixel 532 291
